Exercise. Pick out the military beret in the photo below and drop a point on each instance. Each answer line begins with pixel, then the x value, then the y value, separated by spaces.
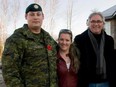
pixel 33 7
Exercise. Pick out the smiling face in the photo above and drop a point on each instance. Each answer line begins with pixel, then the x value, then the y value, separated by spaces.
pixel 64 41
pixel 34 19
pixel 96 24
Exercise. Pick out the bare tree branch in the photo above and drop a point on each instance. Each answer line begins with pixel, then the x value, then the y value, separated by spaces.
pixel 69 14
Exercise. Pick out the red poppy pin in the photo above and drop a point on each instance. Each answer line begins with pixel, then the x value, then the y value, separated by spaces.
pixel 49 47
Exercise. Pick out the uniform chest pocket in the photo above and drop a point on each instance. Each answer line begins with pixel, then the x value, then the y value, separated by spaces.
pixel 35 50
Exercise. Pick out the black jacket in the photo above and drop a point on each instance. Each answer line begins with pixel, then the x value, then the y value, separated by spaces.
pixel 87 72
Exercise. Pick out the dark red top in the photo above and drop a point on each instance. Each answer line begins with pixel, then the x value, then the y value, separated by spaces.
pixel 66 78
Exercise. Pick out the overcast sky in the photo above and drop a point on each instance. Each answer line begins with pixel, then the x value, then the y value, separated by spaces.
pixel 81 11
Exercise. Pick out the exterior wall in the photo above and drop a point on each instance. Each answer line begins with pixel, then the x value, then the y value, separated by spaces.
pixel 112 29
pixel 108 27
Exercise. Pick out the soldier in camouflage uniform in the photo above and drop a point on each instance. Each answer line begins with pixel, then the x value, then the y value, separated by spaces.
pixel 29 57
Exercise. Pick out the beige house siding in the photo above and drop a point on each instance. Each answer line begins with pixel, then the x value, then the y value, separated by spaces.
pixel 113 29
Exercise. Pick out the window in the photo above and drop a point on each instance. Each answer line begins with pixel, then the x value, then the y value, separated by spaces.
pixel 108 27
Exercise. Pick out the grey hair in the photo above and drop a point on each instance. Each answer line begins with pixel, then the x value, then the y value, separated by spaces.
pixel 96 13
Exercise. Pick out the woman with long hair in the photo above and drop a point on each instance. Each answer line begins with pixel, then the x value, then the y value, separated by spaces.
pixel 68 60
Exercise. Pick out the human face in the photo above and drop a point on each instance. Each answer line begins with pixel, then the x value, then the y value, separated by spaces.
pixel 34 19
pixel 96 24
pixel 64 41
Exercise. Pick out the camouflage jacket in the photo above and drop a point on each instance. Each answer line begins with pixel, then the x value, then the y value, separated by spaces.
pixel 29 60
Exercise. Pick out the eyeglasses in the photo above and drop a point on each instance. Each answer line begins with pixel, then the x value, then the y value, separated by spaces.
pixel 96 21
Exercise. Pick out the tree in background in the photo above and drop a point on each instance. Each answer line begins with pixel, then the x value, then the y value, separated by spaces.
pixel 3 19
pixel 1 39
pixel 69 13
pixel 15 11
pixel 3 22
pixel 9 12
